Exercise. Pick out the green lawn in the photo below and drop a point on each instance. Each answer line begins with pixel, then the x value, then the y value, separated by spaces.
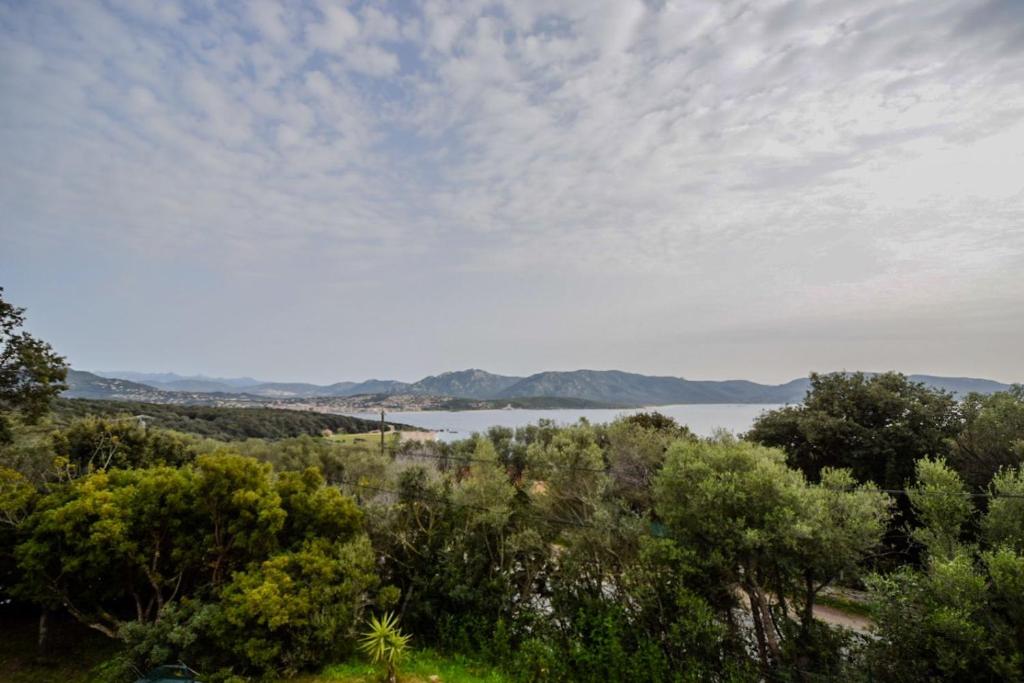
pixel 367 440
pixel 77 651
pixel 419 668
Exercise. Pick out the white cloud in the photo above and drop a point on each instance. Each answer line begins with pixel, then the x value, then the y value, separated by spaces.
pixel 691 160
pixel 268 16
pixel 371 60
pixel 335 31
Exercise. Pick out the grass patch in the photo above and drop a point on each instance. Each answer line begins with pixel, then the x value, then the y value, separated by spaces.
pixel 366 439
pixel 418 668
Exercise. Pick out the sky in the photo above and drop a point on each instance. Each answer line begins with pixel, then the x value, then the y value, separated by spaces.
pixel 335 191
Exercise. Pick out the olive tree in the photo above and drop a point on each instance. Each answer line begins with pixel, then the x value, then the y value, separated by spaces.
pixel 763 528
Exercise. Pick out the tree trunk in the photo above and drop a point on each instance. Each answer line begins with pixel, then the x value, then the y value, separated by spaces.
pixel 767 644
pixel 762 650
pixel 43 643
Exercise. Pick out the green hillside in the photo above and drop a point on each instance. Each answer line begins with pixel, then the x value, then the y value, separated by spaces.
pixel 219 423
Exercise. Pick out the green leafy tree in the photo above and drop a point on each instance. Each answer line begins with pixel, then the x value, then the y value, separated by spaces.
pixel 569 469
pixel 92 444
pixel 31 373
pixel 107 546
pixel 942 507
pixel 1003 525
pixel 299 607
pixel 876 426
pixel 991 436
pixel 240 508
pixel 763 528
pixel 635 448
pixel 959 617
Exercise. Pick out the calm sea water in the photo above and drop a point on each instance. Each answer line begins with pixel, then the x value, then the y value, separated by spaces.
pixel 451 425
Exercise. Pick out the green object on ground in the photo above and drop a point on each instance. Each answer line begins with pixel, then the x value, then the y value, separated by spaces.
pixel 171 673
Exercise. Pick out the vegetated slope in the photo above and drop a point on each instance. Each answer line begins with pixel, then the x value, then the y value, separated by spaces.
pixel 961 386
pixel 208 386
pixel 608 387
pixel 526 402
pixel 289 389
pixel 373 386
pixel 218 423
pixel 471 383
pixel 175 382
pixel 87 385
pixel 303 390
pixel 616 387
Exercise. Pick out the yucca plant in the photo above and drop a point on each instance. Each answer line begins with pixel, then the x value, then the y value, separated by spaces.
pixel 385 644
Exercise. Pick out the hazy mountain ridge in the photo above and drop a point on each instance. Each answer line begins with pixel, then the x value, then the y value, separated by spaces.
pixel 614 386
pixel 83 384
pixel 172 381
pixel 608 387
pixel 472 383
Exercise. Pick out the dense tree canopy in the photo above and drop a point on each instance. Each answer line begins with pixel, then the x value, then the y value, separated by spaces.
pixel 766 529
pixel 960 618
pixel 991 436
pixel 878 426
pixel 632 551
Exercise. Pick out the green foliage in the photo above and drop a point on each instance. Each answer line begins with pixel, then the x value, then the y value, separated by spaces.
pixel 384 643
pixel 942 507
pixel 226 424
pixel 31 373
pixel 422 666
pixel 766 529
pixel 991 436
pixel 959 618
pixel 92 444
pixel 16 496
pixel 1004 522
pixel 635 449
pixel 298 607
pixel 939 625
pixel 218 559
pixel 626 552
pixel 877 426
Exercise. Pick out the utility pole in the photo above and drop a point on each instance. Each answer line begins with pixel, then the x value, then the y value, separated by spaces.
pixel 381 432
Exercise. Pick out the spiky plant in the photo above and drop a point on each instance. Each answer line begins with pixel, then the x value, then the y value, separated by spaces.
pixel 385 644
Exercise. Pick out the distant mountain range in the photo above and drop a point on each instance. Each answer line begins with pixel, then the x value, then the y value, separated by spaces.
pixel 607 387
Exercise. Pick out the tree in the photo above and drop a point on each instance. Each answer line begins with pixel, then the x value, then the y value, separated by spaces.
pixel 1003 525
pixel 942 507
pixel 635 448
pixel 92 444
pixel 31 373
pixel 762 527
pixel 109 545
pixel 241 511
pixel 991 436
pixel 960 617
pixel 299 607
pixel 878 426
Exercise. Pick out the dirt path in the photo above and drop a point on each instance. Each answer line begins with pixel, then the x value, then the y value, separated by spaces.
pixel 836 617
pixel 832 616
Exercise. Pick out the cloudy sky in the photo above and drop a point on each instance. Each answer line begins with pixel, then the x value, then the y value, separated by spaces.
pixel 333 190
